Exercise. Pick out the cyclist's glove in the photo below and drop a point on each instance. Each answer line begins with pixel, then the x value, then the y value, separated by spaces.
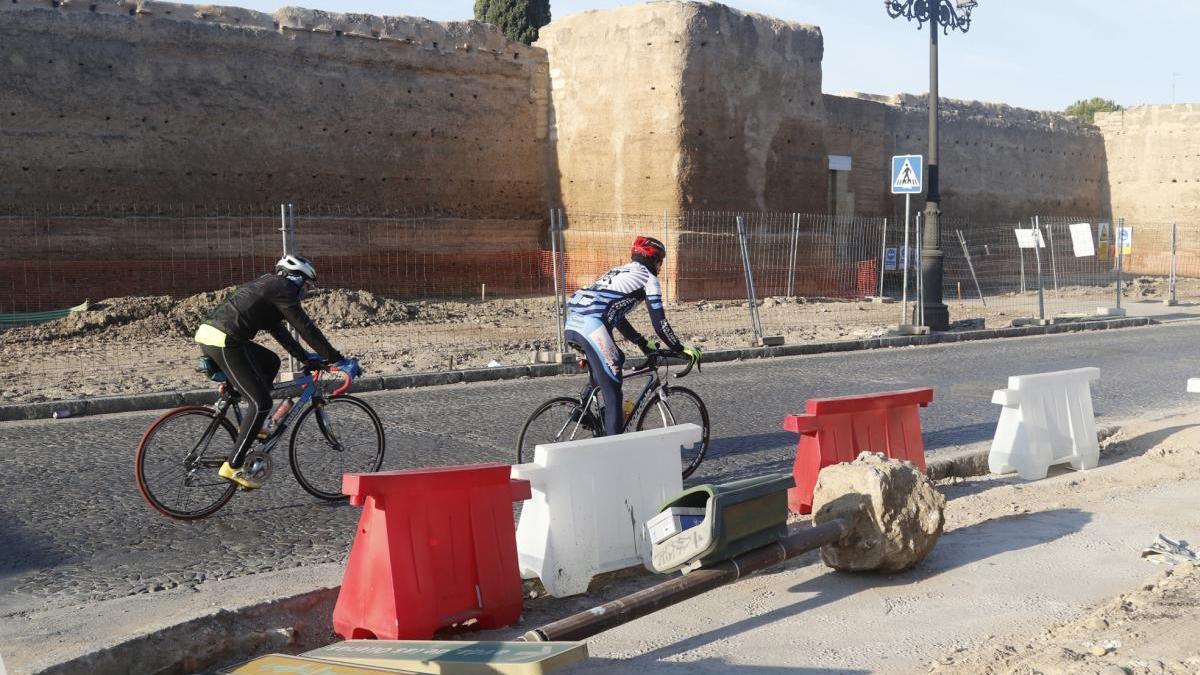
pixel 692 353
pixel 349 366
pixel 648 346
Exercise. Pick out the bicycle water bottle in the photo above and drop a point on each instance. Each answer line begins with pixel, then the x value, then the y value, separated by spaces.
pixel 628 410
pixel 281 411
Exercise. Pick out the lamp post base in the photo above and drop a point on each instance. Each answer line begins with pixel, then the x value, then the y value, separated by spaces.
pixel 937 316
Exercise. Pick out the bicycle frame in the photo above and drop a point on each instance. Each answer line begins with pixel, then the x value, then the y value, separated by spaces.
pixel 309 395
pixel 653 383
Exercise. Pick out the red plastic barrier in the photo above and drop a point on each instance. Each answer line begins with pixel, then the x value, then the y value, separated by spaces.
pixel 434 548
pixel 834 430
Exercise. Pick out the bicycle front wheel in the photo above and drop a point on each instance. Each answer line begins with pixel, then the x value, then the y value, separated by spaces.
pixel 557 420
pixel 678 405
pixel 177 462
pixel 341 435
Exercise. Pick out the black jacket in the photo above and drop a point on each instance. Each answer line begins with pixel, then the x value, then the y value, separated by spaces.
pixel 264 304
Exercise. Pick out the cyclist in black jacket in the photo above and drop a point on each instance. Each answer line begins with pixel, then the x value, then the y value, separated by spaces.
pixel 227 337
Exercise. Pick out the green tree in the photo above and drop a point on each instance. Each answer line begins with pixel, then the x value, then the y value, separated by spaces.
pixel 1086 109
pixel 519 19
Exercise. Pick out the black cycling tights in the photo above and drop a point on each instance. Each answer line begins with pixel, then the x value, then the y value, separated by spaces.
pixel 251 370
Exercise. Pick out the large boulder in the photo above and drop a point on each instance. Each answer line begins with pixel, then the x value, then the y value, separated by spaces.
pixel 895 513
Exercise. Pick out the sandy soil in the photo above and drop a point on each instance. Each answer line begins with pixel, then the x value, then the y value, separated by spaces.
pixel 1030 577
pixel 1151 628
pixel 140 344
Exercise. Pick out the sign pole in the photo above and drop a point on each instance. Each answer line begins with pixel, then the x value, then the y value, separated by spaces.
pixel 904 290
pixel 920 308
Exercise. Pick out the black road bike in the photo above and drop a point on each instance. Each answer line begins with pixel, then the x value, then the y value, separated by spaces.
pixel 179 455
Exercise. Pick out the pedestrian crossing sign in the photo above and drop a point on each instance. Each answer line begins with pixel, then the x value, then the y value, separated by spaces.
pixel 906 174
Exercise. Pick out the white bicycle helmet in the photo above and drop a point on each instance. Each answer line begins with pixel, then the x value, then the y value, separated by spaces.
pixel 294 264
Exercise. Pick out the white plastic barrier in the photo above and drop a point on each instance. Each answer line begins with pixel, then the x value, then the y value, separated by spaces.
pixel 1047 419
pixel 1194 385
pixel 591 501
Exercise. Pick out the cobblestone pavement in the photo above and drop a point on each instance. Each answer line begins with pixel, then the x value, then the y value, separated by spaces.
pixel 73 527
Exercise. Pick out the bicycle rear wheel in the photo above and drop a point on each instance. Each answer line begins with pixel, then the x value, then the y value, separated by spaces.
pixel 177 463
pixel 344 435
pixel 680 406
pixel 557 420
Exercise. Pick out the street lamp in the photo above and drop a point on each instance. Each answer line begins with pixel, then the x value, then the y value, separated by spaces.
pixel 946 15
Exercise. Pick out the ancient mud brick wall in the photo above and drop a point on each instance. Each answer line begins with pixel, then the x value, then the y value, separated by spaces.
pixel 119 107
pixel 682 106
pixel 1154 173
pixel 118 103
pixel 998 162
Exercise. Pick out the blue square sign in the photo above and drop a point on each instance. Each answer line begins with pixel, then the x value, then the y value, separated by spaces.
pixel 906 174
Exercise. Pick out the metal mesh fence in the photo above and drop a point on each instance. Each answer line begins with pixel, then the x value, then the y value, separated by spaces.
pixel 414 292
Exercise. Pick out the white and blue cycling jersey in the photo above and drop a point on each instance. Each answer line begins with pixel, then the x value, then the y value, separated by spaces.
pixel 613 295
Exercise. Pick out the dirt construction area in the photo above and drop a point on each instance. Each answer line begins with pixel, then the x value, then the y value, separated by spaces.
pixel 142 344
pixel 1029 577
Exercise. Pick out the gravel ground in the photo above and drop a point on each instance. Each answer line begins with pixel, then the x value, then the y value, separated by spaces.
pixel 136 345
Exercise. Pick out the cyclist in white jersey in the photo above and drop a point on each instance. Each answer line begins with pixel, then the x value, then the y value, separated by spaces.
pixel 594 312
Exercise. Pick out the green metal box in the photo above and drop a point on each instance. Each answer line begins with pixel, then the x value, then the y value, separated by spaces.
pixel 739 516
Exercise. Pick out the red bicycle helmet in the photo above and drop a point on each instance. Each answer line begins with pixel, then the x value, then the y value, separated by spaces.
pixel 649 248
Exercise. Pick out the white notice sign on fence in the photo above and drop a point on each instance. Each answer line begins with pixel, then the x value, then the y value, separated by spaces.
pixel 1030 239
pixel 1081 238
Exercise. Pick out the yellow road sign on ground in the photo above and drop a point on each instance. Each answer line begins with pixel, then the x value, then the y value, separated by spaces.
pixel 281 664
pixel 457 658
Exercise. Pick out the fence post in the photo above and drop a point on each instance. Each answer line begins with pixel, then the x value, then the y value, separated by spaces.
pixel 792 252
pixel 1053 261
pixel 882 257
pixel 1021 252
pixel 554 259
pixel 755 321
pixel 967 254
pixel 665 239
pixel 562 275
pixel 287 232
pixel 1037 256
pixel 1120 258
pixel 1171 299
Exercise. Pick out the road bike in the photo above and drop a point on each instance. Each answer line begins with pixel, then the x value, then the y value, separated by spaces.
pixel 660 404
pixel 179 455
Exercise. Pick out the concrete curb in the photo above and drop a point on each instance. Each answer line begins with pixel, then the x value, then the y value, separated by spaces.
pixel 970 463
pixel 102 405
pixel 292 624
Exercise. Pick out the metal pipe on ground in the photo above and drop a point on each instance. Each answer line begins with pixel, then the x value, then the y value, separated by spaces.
pixel 674 591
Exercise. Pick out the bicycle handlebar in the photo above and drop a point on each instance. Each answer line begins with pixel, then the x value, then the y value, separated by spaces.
pixel 346 378
pixel 653 357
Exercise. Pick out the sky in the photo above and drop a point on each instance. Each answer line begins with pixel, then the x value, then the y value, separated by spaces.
pixel 1040 54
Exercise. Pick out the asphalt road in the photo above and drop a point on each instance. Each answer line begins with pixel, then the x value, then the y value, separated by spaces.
pixel 74 528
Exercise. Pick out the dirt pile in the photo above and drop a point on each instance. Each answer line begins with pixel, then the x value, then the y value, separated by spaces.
pixel 162 316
